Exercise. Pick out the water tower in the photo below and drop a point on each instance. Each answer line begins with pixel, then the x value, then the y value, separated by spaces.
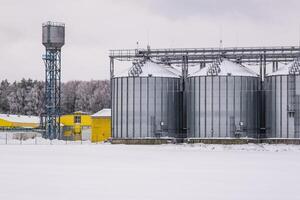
pixel 53 40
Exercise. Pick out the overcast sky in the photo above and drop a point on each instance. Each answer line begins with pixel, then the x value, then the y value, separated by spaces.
pixel 95 26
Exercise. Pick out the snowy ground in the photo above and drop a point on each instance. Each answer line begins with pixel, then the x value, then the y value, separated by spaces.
pixel 119 172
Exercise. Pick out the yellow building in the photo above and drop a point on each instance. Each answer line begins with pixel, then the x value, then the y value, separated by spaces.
pixel 75 124
pixel 101 125
pixel 19 121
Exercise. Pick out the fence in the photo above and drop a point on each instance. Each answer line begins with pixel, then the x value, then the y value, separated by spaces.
pixel 34 138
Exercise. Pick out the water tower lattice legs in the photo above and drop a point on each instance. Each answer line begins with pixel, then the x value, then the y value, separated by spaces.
pixel 52 60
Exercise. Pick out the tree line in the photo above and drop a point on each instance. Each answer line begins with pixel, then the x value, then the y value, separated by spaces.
pixel 26 97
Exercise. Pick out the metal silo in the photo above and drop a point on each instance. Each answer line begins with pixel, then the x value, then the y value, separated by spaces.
pixel 145 101
pixel 223 101
pixel 283 102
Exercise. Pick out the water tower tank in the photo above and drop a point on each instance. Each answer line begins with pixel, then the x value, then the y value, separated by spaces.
pixel 53 35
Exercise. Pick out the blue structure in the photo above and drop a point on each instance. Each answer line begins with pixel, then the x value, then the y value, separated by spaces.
pixel 53 40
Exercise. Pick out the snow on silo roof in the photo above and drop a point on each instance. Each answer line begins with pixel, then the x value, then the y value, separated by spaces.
pixel 290 68
pixel 227 67
pixel 106 112
pixel 152 69
pixel 284 70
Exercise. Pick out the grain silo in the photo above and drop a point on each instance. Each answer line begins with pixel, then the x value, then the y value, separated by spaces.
pixel 223 101
pixel 283 102
pixel 145 101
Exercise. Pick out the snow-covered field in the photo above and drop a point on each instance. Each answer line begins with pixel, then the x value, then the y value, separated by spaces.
pixel 120 172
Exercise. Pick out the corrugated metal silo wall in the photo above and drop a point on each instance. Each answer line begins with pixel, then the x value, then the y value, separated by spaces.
pixel 217 105
pixel 282 95
pixel 145 107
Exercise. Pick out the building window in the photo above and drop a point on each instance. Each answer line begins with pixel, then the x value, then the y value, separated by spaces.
pixel 77 119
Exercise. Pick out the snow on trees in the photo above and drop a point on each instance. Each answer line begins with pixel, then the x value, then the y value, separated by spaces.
pixel 26 97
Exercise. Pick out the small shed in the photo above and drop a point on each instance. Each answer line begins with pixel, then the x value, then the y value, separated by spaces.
pixel 101 125
pixel 75 125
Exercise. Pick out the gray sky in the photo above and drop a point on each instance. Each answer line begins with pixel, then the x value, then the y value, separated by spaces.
pixel 95 26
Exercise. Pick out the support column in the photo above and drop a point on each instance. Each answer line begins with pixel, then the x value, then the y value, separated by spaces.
pixel 263 64
pixel 112 63
pixel 183 120
pixel 202 65
pixel 273 66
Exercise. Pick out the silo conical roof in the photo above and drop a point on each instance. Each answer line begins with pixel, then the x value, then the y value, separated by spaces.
pixel 227 67
pixel 149 68
pixel 285 70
